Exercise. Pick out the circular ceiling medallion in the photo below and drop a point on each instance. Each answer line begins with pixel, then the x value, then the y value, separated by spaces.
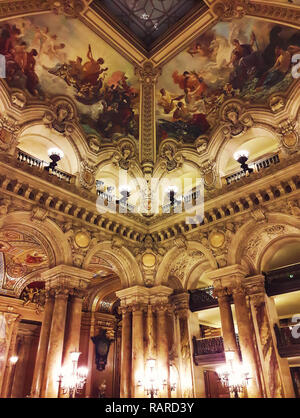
pixel 82 239
pixel 290 139
pixel 16 271
pixel 149 260
pixel 217 239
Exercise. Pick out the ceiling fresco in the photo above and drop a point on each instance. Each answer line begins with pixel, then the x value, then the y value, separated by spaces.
pixel 20 255
pixel 244 59
pixel 52 55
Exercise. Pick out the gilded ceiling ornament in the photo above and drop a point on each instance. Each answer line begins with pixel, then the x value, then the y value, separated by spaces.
pixel 258 215
pixel 279 12
pixel 276 103
pixel 293 207
pixel 4 205
pixel 201 144
pixel 148 75
pixel 87 175
pixel 9 130
pixel 289 135
pixel 39 213
pixel 69 8
pixel 94 144
pixel 235 120
pixel 275 230
pixel 230 9
pixel 60 117
pixel 124 155
pixel 18 99
pixel 172 159
pixel 208 171
pixel 82 239
pixel 217 239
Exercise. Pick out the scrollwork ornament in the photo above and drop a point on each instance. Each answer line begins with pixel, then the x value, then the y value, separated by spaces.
pixel 230 9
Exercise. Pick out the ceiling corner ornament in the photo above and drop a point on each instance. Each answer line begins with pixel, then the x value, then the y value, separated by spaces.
pixel 172 159
pixel 148 75
pixel 125 154
pixel 60 117
pixel 230 9
pixel 235 120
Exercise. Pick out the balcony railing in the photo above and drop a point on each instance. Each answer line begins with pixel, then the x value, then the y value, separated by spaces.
pixel 201 299
pixel 287 344
pixel 283 280
pixel 40 164
pixel 257 166
pixel 110 200
pixel 210 350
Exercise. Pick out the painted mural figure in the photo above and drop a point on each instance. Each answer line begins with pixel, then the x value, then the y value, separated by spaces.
pixel 243 59
pixel 39 61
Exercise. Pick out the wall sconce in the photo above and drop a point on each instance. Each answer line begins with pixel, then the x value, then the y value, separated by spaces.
pixel 233 375
pixel 241 157
pixel 14 360
pixel 173 378
pixel 171 193
pixel 72 381
pixel 151 386
pixel 55 155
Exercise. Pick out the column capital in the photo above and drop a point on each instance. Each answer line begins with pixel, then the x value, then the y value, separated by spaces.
pixel 144 295
pixel 67 276
pixel 255 284
pixel 227 277
pixel 181 302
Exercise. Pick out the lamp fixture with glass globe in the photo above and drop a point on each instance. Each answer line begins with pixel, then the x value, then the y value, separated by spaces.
pixel 55 155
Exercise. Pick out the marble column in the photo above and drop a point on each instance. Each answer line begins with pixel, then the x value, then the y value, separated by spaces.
pixel 19 375
pixel 137 351
pixel 181 304
pixel 150 349
pixel 246 339
pixel 56 341
pixel 275 369
pixel 228 331
pixel 12 324
pixel 125 390
pixel 41 356
pixel 163 365
pixel 72 337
